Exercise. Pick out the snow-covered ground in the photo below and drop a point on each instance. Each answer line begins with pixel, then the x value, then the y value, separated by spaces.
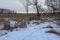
pixel 33 32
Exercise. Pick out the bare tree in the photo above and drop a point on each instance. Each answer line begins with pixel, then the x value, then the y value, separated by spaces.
pixel 35 3
pixel 54 4
pixel 25 4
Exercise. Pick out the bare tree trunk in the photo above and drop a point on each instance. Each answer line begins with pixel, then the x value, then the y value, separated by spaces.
pixel 36 3
pixel 27 10
pixel 37 11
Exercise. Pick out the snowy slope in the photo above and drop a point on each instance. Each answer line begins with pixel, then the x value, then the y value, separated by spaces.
pixel 32 32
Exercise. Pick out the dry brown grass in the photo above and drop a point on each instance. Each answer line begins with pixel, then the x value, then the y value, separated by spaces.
pixel 30 16
pixel 49 27
pixel 53 31
pixel 20 16
pixel 7 26
pixel 22 24
pixel 37 22
pixel 58 22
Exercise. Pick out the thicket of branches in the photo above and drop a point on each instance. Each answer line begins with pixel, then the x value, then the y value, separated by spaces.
pixel 53 6
pixel 35 5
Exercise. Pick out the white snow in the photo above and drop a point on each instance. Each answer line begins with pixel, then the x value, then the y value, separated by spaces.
pixel 3 32
pixel 12 23
pixel 1 25
pixel 32 32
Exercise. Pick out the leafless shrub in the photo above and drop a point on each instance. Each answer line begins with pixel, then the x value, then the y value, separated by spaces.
pixel 7 26
pixel 32 18
pixel 22 24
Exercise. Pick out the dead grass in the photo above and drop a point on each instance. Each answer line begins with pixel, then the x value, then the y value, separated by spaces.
pixel 53 32
pixel 57 22
pixel 21 16
pixel 49 27
pixel 7 26
pixel 37 22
